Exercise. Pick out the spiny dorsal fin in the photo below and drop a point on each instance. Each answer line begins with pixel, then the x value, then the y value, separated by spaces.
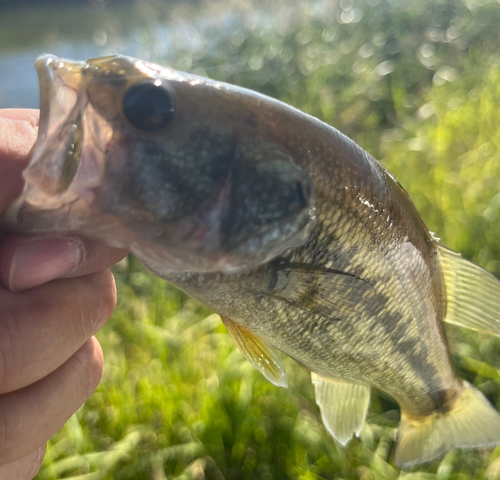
pixel 263 357
pixel 343 406
pixel 328 292
pixel 471 422
pixel 473 294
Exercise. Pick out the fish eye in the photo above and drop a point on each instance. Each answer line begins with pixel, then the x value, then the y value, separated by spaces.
pixel 148 106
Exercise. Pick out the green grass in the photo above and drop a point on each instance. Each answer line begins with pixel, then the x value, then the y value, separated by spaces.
pixel 418 85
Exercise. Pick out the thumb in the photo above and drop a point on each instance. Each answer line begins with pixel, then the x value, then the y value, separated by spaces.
pixel 18 131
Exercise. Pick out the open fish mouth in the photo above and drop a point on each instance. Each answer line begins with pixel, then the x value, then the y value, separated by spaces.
pixel 64 151
pixel 59 145
pixel 59 81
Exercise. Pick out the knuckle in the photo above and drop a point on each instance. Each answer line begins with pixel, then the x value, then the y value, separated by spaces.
pixel 79 376
pixel 11 431
pixel 25 468
pixel 37 461
pixel 3 435
pixel 87 365
pixel 96 367
pixel 5 346
pixel 17 338
pixel 11 354
pixel 110 293
pixel 33 464
pixel 107 292
pixel 102 297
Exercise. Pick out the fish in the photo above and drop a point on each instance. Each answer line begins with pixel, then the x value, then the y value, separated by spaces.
pixel 298 238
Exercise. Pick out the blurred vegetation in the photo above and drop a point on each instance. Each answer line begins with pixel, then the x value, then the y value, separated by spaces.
pixel 417 84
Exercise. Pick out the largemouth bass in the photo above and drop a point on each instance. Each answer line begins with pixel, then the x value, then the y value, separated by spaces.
pixel 296 236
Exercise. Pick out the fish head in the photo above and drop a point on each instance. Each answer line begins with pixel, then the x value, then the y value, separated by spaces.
pixel 175 167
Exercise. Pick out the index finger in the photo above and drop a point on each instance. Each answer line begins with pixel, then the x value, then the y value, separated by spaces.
pixel 18 132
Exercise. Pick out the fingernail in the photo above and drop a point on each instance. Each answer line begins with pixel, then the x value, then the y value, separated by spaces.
pixel 41 260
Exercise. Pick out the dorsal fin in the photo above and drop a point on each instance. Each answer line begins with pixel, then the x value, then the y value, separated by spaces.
pixel 473 294
pixel 343 406
pixel 263 357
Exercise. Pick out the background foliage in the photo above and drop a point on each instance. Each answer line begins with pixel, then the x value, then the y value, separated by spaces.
pixel 417 84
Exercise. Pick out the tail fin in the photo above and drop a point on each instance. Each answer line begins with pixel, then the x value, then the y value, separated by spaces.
pixel 471 423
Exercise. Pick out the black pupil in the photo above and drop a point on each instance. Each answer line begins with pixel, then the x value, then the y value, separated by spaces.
pixel 148 106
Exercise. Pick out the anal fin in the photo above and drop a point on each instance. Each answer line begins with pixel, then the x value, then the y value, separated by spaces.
pixel 473 294
pixel 263 357
pixel 343 406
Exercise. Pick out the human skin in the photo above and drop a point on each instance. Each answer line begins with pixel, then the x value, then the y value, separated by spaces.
pixel 55 293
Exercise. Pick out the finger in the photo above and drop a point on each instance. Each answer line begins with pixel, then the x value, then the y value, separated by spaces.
pixel 26 114
pixel 25 468
pixel 18 132
pixel 31 416
pixel 43 327
pixel 27 261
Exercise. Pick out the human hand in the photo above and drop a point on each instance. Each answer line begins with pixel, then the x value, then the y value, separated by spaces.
pixel 55 293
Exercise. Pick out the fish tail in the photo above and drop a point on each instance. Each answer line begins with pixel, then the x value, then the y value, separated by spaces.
pixel 471 422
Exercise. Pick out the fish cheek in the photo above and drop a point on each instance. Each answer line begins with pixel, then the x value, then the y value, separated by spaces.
pixel 163 180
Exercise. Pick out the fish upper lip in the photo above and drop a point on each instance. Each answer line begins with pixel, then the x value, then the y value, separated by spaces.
pixel 68 71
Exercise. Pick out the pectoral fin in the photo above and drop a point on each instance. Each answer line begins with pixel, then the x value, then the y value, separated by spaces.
pixel 263 357
pixel 473 294
pixel 343 406
pixel 328 292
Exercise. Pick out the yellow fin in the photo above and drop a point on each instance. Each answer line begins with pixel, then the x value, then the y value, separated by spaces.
pixel 471 423
pixel 343 406
pixel 473 294
pixel 263 357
